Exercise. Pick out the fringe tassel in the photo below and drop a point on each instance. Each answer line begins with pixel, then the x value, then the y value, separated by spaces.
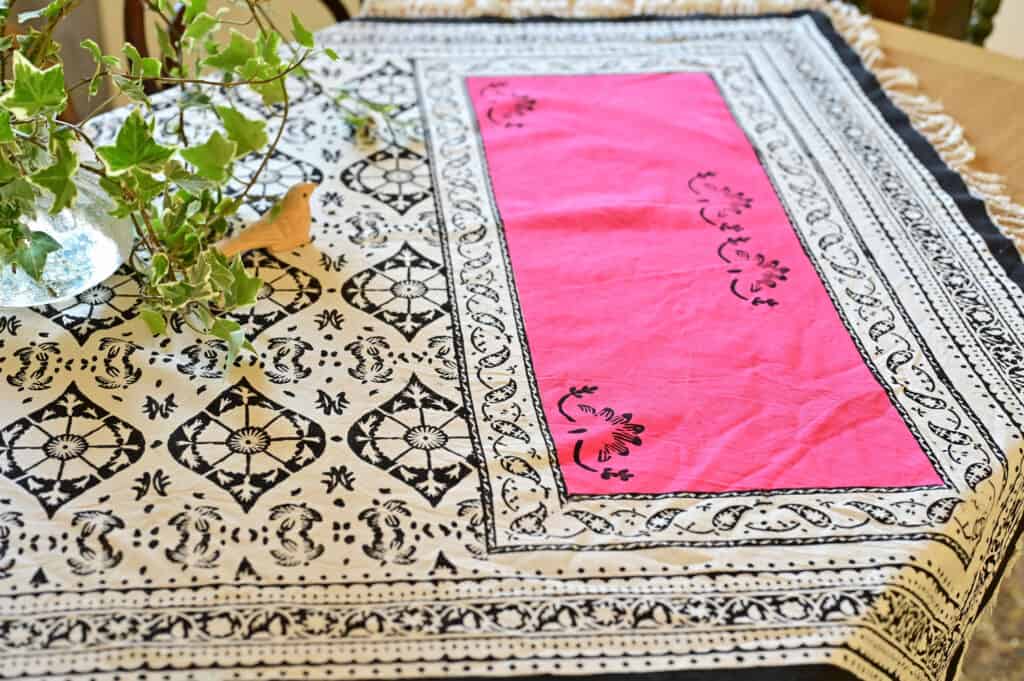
pixel 931 120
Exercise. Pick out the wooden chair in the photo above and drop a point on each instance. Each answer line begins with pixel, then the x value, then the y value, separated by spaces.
pixel 135 26
pixel 962 19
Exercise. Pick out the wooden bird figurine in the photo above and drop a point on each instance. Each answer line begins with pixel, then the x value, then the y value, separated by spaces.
pixel 282 228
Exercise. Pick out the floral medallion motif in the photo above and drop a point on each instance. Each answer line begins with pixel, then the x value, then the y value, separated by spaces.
pixel 66 448
pixel 101 307
pixel 406 291
pixel 389 85
pixel 246 443
pixel 286 290
pixel 419 437
pixel 395 176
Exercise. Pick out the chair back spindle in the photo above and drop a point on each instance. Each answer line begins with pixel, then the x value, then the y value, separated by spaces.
pixel 920 13
pixel 979 28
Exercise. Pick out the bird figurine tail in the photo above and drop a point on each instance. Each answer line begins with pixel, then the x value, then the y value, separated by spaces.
pixel 282 228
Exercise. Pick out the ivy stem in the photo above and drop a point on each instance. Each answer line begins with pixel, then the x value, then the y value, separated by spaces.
pixel 78 132
pixel 232 83
pixel 273 146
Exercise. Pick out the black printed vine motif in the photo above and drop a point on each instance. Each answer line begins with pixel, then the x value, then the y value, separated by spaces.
pixel 119 371
pixel 159 408
pixel 196 546
pixel 753 273
pixel 338 476
pixel 624 433
pixel 39 364
pixel 9 521
pixel 95 551
pixel 386 521
pixel 331 405
pixel 505 106
pixel 295 521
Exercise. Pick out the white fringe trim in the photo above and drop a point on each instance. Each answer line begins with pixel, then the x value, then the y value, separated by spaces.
pixel 900 84
pixel 930 119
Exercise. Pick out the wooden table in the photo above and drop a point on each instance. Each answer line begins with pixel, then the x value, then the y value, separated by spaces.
pixel 983 90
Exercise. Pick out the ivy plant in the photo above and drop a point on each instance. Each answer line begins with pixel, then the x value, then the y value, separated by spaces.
pixel 176 194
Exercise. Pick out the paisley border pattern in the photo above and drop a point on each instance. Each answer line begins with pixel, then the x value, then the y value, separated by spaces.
pixel 518 448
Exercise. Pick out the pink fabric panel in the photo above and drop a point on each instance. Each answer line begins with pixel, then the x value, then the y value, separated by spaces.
pixel 625 287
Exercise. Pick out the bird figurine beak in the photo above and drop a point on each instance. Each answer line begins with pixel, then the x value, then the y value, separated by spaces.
pixel 282 228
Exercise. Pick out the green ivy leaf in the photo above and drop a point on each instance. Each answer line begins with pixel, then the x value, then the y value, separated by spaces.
pixel 134 58
pixel 201 312
pixel 201 24
pixel 231 332
pixel 186 180
pixel 19 192
pixel 268 46
pixel 146 186
pixel 48 11
pixel 158 267
pixel 131 88
pixel 6 131
pixel 31 256
pixel 35 91
pixel 154 319
pixel 151 67
pixel 8 171
pixel 193 9
pixel 301 33
pixel 175 294
pixel 58 178
pixel 212 159
pixel 134 148
pixel 163 41
pixel 244 288
pixel 271 92
pixel 102 61
pixel 240 49
pixel 221 275
pixel 93 48
pixel 331 54
pixel 248 134
pixel 10 233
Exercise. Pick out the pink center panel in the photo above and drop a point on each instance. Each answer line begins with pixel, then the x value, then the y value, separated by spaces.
pixel 680 338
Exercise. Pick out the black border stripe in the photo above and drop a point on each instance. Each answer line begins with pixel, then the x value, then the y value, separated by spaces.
pixel 973 208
